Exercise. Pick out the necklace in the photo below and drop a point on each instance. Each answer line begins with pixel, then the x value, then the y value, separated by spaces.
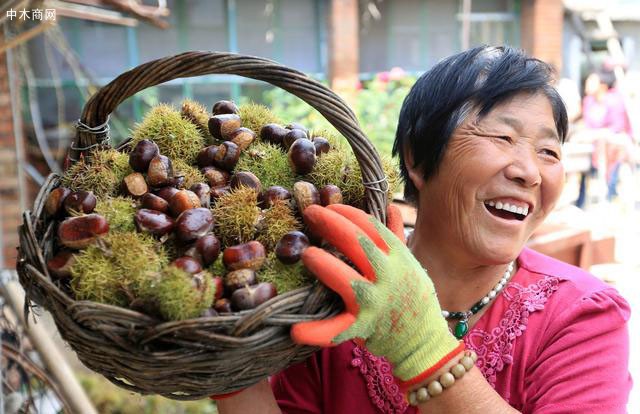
pixel 462 327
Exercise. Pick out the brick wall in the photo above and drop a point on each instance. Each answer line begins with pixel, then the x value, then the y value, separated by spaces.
pixel 541 30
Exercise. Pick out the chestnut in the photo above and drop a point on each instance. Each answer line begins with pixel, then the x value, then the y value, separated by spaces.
pixel 208 248
pixel 183 200
pixel 193 224
pixel 166 192
pixel 274 193
pixel 60 264
pixel 79 232
pixel 216 177
pixel 302 156
pixel 273 133
pixel 330 194
pixel 246 179
pixel 134 185
pixel 80 202
pixel 220 126
pixel 242 137
pixel 250 297
pixel 203 191
pixel 224 107
pixel 290 247
pixel 176 181
pixel 160 171
pixel 295 125
pixel 209 313
pixel 206 155
pixel 227 156
pixel 249 255
pixel 218 285
pixel 322 145
pixel 218 192
pixel 54 206
pixel 153 222
pixel 188 264
pixel 292 136
pixel 154 202
pixel 239 278
pixel 222 305
pixel 141 155
pixel 305 194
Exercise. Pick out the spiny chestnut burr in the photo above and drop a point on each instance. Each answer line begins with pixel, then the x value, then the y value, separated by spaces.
pixel 322 145
pixel 330 194
pixel 305 194
pixel 193 224
pixel 220 126
pixel 80 202
pixel 222 305
pixel 154 202
pixel 153 222
pixel 227 156
pixel 302 156
pixel 216 177
pixel 60 264
pixel 274 193
pixel 295 125
pixel 203 191
pixel 134 185
pixel 188 264
pixel 206 155
pixel 292 136
pixel 242 137
pixel 79 232
pixel 142 154
pixel 183 200
pixel 246 179
pixel 273 133
pixel 160 171
pixel 224 107
pixel 239 278
pixel 290 247
pixel 251 297
pixel 54 206
pixel 249 255
pixel 166 193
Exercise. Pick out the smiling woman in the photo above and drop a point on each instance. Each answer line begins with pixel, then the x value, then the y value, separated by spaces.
pixel 479 140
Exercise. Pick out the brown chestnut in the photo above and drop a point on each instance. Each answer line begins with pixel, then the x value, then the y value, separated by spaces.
pixel 305 194
pixel 153 222
pixel 218 285
pixel 60 264
pixel 141 155
pixel 222 305
pixel 227 156
pixel 166 192
pixel 250 297
pixel 273 133
pixel 220 126
pixel 193 224
pixel 292 136
pixel 302 156
pixel 188 264
pixel 290 247
pixel 203 191
pixel 154 202
pixel 54 206
pixel 160 171
pixel 183 200
pixel 322 145
pixel 208 249
pixel 80 202
pixel 274 193
pixel 249 255
pixel 242 137
pixel 224 107
pixel 216 177
pixel 330 194
pixel 295 125
pixel 246 179
pixel 218 192
pixel 134 185
pixel 79 232
pixel 239 278
pixel 206 155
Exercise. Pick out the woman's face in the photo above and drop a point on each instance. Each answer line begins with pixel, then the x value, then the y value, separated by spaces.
pixel 499 178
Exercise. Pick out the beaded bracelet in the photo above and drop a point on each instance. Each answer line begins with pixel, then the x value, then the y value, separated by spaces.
pixel 445 381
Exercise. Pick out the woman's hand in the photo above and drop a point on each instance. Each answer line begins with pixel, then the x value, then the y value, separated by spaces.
pixel 391 303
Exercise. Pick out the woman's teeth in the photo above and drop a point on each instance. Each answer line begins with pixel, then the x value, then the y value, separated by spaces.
pixel 523 211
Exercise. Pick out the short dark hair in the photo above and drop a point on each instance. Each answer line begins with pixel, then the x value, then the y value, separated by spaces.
pixel 476 79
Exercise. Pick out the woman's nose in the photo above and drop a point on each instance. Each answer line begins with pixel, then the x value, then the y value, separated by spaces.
pixel 524 169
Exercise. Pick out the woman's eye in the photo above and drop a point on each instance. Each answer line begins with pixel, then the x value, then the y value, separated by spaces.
pixel 551 152
pixel 504 138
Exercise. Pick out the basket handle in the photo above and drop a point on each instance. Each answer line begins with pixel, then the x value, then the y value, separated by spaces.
pixel 183 65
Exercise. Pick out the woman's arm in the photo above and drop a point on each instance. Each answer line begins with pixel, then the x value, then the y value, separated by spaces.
pixel 256 399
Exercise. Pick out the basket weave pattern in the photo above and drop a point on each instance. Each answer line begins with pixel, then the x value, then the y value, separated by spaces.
pixel 195 358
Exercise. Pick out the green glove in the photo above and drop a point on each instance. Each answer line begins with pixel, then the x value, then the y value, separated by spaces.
pixel 391 304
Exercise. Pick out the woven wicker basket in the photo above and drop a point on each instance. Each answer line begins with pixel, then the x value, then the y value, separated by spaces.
pixel 195 358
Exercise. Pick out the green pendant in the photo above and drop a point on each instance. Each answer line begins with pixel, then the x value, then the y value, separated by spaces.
pixel 461 329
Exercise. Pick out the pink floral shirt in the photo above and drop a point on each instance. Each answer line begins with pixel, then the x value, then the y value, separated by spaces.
pixel 554 341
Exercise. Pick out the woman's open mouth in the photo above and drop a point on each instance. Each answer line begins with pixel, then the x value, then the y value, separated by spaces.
pixel 507 211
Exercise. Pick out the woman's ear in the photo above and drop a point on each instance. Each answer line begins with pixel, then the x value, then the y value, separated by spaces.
pixel 415 175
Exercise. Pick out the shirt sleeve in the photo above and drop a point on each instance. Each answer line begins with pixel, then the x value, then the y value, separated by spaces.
pixel 582 365
pixel 298 388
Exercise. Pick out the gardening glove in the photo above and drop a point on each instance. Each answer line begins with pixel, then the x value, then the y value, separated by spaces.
pixel 391 304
